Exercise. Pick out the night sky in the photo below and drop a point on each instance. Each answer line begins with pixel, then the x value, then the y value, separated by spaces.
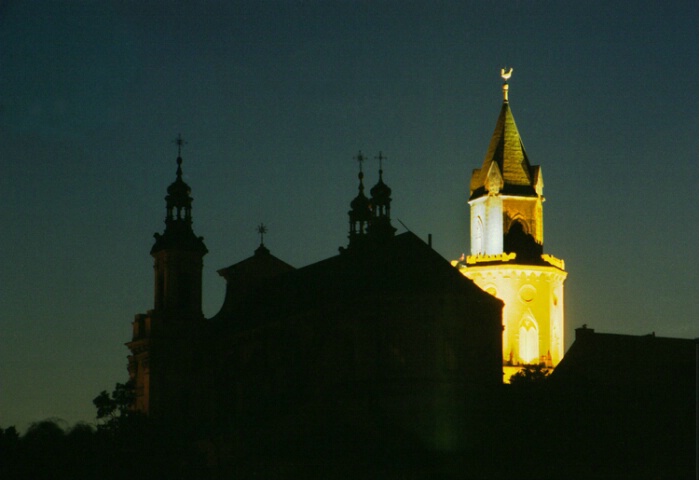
pixel 274 100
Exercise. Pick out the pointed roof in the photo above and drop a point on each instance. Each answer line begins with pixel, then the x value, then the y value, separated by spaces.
pixel 506 151
pixel 260 266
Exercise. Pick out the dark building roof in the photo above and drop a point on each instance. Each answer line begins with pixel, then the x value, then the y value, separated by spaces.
pixel 403 266
pixel 621 360
pixel 623 406
pixel 245 276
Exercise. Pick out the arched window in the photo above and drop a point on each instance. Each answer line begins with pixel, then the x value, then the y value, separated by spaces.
pixel 519 219
pixel 528 340
pixel 478 237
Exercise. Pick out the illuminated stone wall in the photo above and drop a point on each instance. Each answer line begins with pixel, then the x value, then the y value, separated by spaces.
pixel 533 316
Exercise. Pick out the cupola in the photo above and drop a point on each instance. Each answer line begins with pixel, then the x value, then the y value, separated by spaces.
pixel 380 225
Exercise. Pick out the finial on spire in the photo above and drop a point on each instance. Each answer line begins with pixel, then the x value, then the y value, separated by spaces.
pixel 179 141
pixel 506 76
pixel 262 229
pixel 360 158
pixel 381 157
pixel 505 87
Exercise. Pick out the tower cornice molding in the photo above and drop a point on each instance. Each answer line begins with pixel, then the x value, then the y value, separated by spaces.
pixel 501 270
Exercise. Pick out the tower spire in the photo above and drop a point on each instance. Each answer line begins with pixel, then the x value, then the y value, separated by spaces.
pixel 360 208
pixel 178 218
pixel 381 205
pixel 180 142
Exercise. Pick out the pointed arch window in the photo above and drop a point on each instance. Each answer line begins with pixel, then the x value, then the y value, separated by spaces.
pixel 528 340
pixel 519 219
pixel 478 237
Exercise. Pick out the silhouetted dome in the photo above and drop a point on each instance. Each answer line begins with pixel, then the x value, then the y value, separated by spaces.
pixel 381 193
pixel 360 203
pixel 178 188
pixel 178 221
pixel 360 206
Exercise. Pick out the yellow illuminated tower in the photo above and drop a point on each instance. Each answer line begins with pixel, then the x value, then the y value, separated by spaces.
pixel 507 259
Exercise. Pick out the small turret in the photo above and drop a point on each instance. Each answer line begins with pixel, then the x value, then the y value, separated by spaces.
pixel 360 210
pixel 178 252
pixel 380 226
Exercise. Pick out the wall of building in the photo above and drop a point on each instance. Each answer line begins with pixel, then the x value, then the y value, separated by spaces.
pixel 533 316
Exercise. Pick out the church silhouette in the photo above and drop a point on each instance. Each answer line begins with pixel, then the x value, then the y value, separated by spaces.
pixel 385 361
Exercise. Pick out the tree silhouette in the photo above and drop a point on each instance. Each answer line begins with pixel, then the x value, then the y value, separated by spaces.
pixel 115 408
pixel 530 375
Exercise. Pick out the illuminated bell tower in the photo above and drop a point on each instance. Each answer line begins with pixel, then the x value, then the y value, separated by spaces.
pixel 507 259
pixel 165 338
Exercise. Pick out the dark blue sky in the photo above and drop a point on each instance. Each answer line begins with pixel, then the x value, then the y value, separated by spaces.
pixel 275 99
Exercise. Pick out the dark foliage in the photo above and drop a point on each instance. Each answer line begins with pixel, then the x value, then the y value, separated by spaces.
pixel 544 430
pixel 530 375
pixel 114 410
pixel 124 446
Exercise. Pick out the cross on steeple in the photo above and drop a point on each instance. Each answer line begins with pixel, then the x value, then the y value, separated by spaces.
pixel 262 229
pixel 179 141
pixel 381 157
pixel 360 158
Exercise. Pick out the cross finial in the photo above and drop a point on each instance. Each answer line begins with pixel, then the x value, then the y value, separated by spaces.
pixel 360 158
pixel 179 141
pixel 381 158
pixel 262 229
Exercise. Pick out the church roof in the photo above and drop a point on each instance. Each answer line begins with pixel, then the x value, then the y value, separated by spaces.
pixel 403 267
pixel 261 265
pixel 247 275
pixel 507 159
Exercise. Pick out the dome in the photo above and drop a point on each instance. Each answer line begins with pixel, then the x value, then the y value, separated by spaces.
pixel 179 188
pixel 381 193
pixel 360 205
